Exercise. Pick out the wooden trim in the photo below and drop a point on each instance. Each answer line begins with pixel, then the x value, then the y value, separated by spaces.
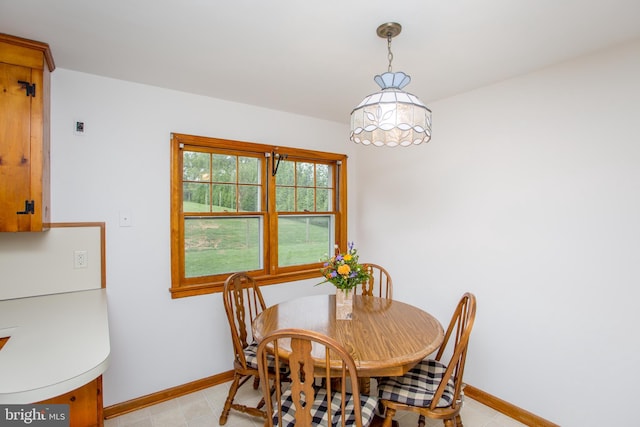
pixel 270 273
pixel 164 395
pixel 3 341
pixel 263 280
pixel 298 153
pixel 100 390
pixel 103 249
pixel 33 45
pixel 506 408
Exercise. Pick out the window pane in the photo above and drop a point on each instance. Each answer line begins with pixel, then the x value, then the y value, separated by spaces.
pixel 224 197
pixel 305 200
pixel 323 200
pixel 195 197
pixel 323 176
pixel 249 198
pixel 222 245
pixel 196 166
pixel 249 170
pixel 303 239
pixel 224 168
pixel 285 199
pixel 304 174
pixel 285 173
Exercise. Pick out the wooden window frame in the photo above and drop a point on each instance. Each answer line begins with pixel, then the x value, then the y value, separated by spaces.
pixel 271 274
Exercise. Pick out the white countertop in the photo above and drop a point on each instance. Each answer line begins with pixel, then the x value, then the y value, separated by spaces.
pixel 57 343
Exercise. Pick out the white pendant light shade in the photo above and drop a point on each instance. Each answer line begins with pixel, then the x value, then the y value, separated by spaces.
pixel 392 116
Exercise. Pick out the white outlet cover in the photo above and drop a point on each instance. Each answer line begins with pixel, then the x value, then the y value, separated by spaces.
pixel 80 259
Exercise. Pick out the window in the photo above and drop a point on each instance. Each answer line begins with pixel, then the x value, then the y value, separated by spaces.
pixel 241 206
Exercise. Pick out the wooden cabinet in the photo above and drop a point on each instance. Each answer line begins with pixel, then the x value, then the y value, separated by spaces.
pixel 25 68
pixel 85 404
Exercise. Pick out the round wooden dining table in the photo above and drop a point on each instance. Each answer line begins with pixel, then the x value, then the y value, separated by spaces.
pixel 384 337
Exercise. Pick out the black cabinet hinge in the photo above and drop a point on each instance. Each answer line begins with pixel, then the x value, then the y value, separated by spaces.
pixel 30 88
pixel 29 208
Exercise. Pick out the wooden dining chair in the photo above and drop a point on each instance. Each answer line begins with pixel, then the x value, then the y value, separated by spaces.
pixel 379 283
pixel 303 403
pixel 242 302
pixel 433 388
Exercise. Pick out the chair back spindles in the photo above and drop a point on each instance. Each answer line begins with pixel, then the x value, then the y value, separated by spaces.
pixel 460 328
pixel 379 284
pixel 433 387
pixel 303 401
pixel 242 299
pixel 242 303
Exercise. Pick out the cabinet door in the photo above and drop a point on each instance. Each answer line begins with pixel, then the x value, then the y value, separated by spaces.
pixel 85 404
pixel 15 147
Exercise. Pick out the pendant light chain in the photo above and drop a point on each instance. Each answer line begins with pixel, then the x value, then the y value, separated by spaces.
pixel 390 54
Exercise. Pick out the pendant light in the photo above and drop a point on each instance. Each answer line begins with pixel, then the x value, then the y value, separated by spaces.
pixel 392 116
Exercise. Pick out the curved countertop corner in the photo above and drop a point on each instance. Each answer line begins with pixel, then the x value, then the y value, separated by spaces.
pixel 56 344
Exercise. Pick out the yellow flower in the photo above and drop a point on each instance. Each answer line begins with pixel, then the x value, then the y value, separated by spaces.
pixel 347 257
pixel 344 269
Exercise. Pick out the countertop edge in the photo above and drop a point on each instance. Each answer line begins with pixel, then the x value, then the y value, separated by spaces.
pixel 53 390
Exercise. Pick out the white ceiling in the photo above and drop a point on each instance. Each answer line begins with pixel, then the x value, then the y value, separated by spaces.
pixel 317 58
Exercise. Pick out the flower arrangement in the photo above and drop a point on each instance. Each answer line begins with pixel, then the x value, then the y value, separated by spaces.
pixel 343 270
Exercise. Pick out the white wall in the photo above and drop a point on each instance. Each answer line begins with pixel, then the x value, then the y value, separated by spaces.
pixel 528 196
pixel 122 164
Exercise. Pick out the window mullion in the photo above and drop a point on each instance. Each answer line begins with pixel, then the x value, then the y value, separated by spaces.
pixel 271 226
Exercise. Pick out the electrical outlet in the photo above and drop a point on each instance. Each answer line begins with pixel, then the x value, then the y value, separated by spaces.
pixel 80 259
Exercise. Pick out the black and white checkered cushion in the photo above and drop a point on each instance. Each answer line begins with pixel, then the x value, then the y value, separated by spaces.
pixel 251 356
pixel 417 386
pixel 319 409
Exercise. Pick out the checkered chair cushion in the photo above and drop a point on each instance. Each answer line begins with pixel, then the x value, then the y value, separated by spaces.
pixel 319 409
pixel 251 355
pixel 417 387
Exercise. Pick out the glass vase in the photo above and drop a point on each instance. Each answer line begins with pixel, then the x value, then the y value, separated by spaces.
pixel 344 304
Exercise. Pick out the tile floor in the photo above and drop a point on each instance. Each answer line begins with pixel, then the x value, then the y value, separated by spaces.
pixel 203 408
